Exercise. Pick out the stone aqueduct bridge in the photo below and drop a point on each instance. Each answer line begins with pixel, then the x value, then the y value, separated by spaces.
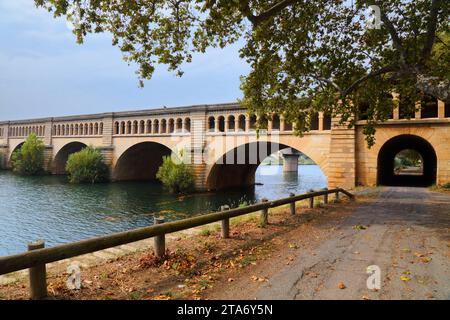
pixel 216 137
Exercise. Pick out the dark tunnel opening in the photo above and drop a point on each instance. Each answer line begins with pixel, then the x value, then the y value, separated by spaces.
pixel 387 171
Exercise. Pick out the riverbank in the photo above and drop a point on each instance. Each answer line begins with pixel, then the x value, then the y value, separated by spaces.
pixel 200 263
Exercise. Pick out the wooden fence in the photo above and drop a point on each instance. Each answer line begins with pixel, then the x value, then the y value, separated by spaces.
pixel 37 256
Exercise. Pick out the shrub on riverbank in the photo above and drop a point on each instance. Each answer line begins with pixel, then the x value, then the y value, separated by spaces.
pixel 29 159
pixel 175 177
pixel 87 166
pixel 2 161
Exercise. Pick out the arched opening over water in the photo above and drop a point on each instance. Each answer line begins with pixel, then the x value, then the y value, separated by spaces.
pixel 238 167
pixel 140 162
pixel 15 149
pixel 407 160
pixel 60 160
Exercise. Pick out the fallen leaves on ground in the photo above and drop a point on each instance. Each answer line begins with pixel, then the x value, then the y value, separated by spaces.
pixel 259 279
pixel 360 227
pixel 405 278
pixel 341 285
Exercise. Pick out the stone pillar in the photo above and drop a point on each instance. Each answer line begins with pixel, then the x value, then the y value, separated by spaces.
pixel 418 113
pixel 48 158
pixel 321 121
pixel 48 134
pixel 342 156
pixel 216 124
pixel 396 111
pixel 3 156
pixel 441 109
pixel 108 153
pixel 269 126
pixel 282 123
pixel 290 162
pixel 247 123
pixel 108 129
pixel 227 124
pixel 198 142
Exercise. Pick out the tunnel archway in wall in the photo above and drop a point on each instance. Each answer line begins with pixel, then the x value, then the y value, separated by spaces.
pixel 60 160
pixel 140 162
pixel 423 175
pixel 237 167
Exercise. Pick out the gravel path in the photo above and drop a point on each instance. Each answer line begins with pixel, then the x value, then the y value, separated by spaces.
pixel 407 237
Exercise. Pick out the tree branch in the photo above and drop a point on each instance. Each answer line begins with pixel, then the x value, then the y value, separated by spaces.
pixel 271 12
pixel 431 31
pixel 393 33
pixel 378 72
pixel 328 81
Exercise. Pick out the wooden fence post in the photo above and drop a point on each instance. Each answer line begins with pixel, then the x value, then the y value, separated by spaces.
pixel 160 241
pixel 311 200
pixel 292 204
pixel 38 274
pixel 225 224
pixel 264 214
pixel 325 196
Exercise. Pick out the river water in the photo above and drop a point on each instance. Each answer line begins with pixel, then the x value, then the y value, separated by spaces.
pixel 49 208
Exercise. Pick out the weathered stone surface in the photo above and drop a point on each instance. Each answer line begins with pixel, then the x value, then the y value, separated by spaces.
pixel 221 144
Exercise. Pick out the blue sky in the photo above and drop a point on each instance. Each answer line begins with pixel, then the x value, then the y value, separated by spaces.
pixel 43 72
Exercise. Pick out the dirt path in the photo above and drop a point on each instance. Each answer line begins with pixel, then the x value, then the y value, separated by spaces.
pixel 407 236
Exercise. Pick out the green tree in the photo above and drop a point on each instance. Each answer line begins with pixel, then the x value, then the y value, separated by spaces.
pixel 305 56
pixel 176 177
pixel 87 166
pixel 29 158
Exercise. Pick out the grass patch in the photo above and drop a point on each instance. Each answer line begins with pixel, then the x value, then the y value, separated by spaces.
pixel 251 217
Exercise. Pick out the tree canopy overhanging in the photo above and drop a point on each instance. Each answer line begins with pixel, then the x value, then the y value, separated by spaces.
pixel 305 56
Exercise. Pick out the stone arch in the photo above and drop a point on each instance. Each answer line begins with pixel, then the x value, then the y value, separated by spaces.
pixel 237 166
pixel 14 149
pixel 156 126
pixel 221 123
pixel 211 124
pixel 163 126
pixel 171 125
pixel 387 153
pixel 241 122
pixel 231 123
pixel 187 124
pixel 140 161
pixel 276 122
pixel 179 125
pixel 60 160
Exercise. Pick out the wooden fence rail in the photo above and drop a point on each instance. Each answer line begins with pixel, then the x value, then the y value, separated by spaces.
pixel 40 257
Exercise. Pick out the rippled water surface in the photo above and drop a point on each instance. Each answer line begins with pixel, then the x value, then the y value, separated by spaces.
pixel 50 208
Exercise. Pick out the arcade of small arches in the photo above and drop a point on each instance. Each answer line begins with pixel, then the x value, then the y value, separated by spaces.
pixel 25 131
pixel 220 123
pixel 246 122
pixel 152 126
pixel 78 129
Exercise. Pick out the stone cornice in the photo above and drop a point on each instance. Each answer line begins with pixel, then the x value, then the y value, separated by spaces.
pixel 136 113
